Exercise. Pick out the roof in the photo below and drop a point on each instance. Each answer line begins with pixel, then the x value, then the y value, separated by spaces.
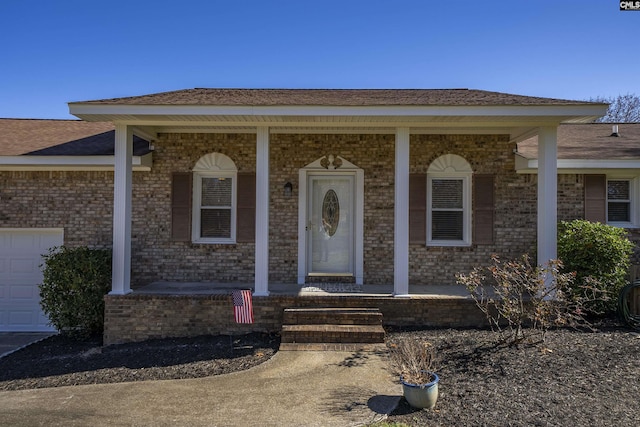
pixel 334 97
pixel 591 141
pixel 42 137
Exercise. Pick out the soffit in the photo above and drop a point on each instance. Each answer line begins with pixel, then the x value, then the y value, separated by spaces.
pixel 198 117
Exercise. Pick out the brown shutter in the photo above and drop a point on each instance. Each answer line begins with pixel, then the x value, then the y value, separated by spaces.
pixel 483 209
pixel 181 206
pixel 418 209
pixel 595 198
pixel 246 214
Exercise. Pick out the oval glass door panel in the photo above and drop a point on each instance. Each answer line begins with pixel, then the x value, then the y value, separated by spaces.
pixel 331 238
pixel 330 212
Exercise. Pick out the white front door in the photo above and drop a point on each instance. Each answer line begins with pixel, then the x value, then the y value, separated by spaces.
pixel 330 225
pixel 20 259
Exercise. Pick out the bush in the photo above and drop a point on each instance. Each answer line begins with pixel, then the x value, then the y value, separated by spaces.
pixel 73 288
pixel 599 254
pixel 518 296
pixel 413 359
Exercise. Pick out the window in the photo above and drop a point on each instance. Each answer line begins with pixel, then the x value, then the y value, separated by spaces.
pixel 619 207
pixel 449 202
pixel 447 209
pixel 612 199
pixel 216 206
pixel 214 199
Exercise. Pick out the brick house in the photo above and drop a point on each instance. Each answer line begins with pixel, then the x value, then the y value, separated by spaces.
pixel 262 188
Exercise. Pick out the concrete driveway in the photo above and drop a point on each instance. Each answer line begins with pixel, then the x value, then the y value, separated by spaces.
pixel 294 388
pixel 12 341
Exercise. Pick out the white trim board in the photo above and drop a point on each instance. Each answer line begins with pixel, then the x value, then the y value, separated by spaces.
pixel 70 163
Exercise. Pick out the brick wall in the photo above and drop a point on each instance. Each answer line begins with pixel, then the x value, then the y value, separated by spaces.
pixel 156 257
pixel 515 205
pixel 81 203
pixel 372 153
pixel 139 317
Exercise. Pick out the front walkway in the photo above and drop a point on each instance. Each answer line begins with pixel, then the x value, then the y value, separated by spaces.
pixel 294 388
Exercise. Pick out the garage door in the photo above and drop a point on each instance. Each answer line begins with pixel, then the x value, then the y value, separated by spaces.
pixel 20 259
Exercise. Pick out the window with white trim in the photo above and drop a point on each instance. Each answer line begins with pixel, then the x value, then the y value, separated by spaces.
pixel 619 202
pixel 449 202
pixel 214 199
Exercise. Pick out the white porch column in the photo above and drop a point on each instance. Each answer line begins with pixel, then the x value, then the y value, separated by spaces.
pixel 401 213
pixel 121 273
pixel 547 195
pixel 262 212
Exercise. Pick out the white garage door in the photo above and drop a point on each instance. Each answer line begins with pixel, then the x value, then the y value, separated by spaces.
pixel 20 259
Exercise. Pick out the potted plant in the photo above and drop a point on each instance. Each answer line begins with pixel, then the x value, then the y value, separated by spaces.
pixel 413 359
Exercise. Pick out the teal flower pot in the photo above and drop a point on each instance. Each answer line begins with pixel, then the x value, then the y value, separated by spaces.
pixel 421 396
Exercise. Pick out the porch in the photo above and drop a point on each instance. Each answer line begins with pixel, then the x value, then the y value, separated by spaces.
pixel 168 309
pixel 221 200
pixel 270 136
pixel 292 289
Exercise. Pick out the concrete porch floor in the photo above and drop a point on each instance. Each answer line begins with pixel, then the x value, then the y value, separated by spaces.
pixel 218 288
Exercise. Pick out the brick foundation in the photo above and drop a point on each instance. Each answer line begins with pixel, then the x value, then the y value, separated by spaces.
pixel 133 317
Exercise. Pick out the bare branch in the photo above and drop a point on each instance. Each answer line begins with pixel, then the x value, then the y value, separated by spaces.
pixel 622 109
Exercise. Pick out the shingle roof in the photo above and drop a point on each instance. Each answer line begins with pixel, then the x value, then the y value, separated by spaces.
pixel 60 138
pixel 591 141
pixel 333 97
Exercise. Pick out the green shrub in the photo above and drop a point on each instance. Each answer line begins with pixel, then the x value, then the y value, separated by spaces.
pixel 599 254
pixel 73 288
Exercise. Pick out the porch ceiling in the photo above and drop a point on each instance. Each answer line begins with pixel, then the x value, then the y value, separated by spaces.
pixel 458 124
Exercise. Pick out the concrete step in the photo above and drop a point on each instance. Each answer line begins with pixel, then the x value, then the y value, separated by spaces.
pixel 337 316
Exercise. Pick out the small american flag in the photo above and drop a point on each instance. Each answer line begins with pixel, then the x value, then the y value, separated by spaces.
pixel 242 306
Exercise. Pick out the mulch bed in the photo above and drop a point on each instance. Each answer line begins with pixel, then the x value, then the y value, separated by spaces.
pixel 574 378
pixel 59 361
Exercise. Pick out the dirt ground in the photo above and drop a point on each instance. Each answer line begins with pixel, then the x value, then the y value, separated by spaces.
pixel 574 378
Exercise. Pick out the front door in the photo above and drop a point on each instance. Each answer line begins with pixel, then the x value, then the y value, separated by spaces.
pixel 330 225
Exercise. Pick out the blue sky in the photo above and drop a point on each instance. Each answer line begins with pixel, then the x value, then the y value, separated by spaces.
pixel 57 51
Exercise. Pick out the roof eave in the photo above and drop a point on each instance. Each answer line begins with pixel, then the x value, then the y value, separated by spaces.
pixel 579 166
pixel 133 114
pixel 70 163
